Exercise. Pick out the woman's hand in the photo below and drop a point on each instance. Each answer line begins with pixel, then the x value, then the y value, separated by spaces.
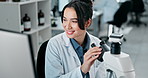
pixel 89 57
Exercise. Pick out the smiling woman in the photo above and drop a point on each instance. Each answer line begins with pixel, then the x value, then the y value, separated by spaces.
pixel 70 24
pixel 69 54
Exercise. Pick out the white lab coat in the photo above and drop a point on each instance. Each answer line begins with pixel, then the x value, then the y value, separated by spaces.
pixel 61 60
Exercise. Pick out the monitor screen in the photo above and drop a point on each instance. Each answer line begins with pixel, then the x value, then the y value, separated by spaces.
pixel 16 55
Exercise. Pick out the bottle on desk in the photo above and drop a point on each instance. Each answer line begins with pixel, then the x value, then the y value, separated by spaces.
pixel 27 23
pixel 41 18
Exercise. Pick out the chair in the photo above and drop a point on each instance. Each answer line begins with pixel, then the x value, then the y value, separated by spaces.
pixel 136 13
pixel 120 17
pixel 41 60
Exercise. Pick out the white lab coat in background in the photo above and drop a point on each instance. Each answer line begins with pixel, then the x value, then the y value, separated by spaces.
pixel 109 7
pixel 61 60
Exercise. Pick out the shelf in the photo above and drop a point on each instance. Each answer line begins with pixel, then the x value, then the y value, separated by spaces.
pixel 18 3
pixel 43 27
pixel 12 13
pixel 36 30
pixel 57 28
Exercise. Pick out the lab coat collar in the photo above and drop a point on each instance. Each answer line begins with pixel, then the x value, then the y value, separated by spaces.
pixel 66 40
pixel 71 49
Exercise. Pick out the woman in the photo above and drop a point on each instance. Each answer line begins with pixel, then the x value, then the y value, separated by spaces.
pixel 69 55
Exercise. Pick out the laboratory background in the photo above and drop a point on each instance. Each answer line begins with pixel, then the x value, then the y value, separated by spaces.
pixel 25 26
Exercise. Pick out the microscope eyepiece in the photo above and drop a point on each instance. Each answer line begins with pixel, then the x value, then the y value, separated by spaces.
pixel 104 47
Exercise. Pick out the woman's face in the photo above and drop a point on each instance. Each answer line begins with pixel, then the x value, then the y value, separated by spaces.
pixel 70 24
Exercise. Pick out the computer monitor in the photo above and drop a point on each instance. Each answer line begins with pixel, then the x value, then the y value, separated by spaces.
pixel 16 55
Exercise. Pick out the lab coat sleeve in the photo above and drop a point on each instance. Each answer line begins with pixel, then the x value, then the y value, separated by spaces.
pixel 54 65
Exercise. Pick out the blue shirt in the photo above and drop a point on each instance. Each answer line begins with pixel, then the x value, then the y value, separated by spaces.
pixel 81 50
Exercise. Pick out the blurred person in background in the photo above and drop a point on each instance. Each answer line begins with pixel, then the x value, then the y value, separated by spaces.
pixel 108 8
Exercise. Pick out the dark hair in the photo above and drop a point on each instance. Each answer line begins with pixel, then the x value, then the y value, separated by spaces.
pixel 83 10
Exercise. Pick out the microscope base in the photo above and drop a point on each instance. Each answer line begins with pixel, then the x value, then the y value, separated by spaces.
pixel 121 64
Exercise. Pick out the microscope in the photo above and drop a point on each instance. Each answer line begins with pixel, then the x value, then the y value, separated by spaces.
pixel 118 63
